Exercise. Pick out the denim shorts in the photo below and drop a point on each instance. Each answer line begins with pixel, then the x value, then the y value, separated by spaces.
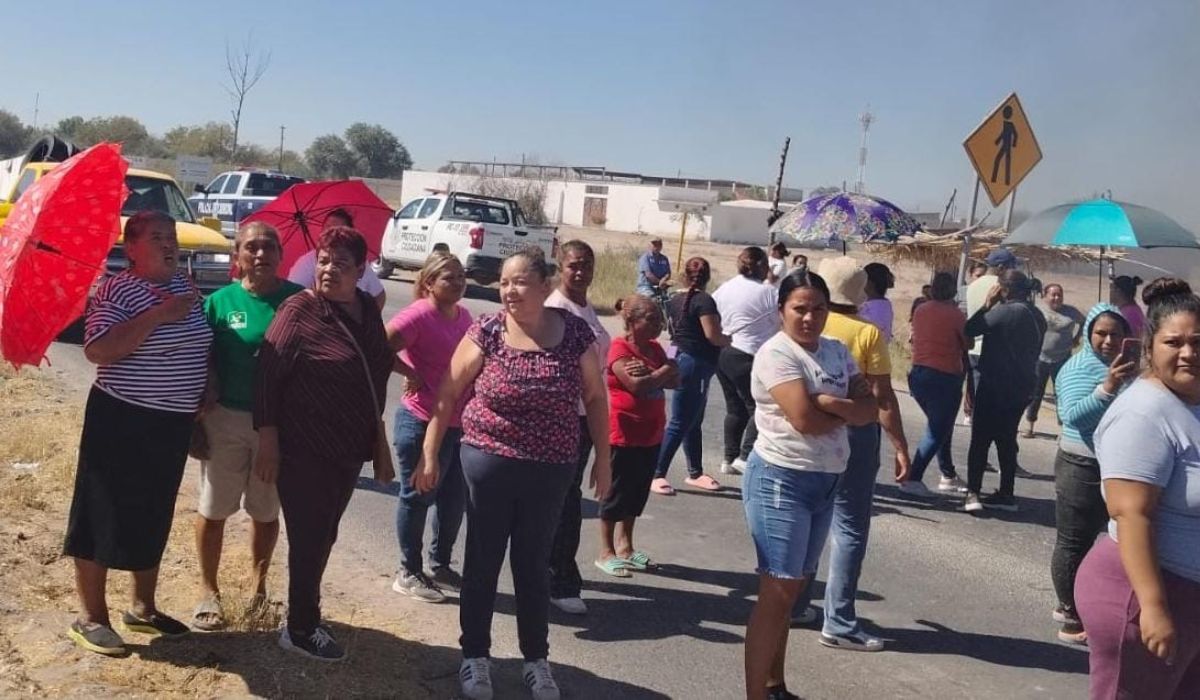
pixel 788 512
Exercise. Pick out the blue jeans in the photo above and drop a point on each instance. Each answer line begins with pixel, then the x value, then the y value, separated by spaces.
pixel 448 499
pixel 687 415
pixel 851 527
pixel 788 512
pixel 939 395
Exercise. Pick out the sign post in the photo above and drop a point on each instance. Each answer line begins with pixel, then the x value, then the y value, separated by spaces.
pixel 1003 150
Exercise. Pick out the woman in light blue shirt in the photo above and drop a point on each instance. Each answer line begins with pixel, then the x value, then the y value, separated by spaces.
pixel 1138 590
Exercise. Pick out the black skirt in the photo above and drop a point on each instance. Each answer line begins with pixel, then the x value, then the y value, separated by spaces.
pixel 131 462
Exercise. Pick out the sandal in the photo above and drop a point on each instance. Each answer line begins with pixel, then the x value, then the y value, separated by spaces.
pixel 703 482
pixel 662 487
pixel 614 567
pixel 208 615
pixel 638 560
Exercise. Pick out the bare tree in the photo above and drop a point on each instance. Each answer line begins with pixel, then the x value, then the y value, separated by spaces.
pixel 245 68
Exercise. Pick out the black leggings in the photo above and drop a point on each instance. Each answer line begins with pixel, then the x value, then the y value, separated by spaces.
pixel 513 505
pixel 1046 371
pixel 1079 516
pixel 733 371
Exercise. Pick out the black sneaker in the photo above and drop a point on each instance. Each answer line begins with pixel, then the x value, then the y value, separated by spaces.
pixel 780 692
pixel 1072 632
pixel 156 624
pixel 100 639
pixel 318 644
pixel 1000 501
pixel 447 577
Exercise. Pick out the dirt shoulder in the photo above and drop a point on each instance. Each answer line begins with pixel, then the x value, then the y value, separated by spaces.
pixel 41 416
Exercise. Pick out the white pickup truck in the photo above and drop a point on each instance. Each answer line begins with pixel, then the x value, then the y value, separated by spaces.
pixel 481 231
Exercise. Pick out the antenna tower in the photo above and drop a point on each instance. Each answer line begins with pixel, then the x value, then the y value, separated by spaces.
pixel 866 119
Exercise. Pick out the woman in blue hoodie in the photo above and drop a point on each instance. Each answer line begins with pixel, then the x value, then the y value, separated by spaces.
pixel 1086 386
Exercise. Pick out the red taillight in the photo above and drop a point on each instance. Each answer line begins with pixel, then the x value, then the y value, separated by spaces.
pixel 476 234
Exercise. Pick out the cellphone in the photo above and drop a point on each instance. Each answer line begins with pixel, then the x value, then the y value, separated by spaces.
pixel 1131 350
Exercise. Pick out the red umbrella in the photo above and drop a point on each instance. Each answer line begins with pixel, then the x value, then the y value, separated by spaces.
pixel 53 246
pixel 299 215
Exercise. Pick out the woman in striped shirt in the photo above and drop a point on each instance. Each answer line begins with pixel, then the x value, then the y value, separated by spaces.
pixel 319 390
pixel 146 332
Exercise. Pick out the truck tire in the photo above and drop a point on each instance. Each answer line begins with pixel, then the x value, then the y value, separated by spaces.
pixel 382 268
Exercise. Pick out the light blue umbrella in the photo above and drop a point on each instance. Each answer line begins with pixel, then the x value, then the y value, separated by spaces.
pixel 1103 223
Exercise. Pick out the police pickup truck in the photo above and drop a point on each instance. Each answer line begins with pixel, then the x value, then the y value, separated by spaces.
pixel 233 196
pixel 480 231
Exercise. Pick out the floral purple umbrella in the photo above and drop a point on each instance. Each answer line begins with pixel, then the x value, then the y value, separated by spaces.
pixel 833 220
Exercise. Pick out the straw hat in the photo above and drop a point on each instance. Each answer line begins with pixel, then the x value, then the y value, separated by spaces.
pixel 847 281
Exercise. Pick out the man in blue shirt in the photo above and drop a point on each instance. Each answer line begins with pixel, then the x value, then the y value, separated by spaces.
pixel 654 269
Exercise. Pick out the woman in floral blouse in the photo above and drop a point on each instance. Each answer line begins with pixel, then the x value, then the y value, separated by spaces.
pixel 529 366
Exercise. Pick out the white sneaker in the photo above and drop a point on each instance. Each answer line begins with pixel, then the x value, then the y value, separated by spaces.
pixel 917 489
pixel 737 466
pixel 475 677
pixel 571 606
pixel 540 681
pixel 972 504
pixel 952 484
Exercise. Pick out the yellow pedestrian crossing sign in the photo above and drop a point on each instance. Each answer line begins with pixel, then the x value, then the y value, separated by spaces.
pixel 1003 149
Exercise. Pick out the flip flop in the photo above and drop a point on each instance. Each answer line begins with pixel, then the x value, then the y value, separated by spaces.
pixel 662 487
pixel 614 567
pixel 703 482
pixel 208 615
pixel 638 560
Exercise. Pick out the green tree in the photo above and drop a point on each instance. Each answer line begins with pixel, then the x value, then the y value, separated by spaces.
pixel 381 154
pixel 127 131
pixel 211 140
pixel 68 128
pixel 330 157
pixel 14 136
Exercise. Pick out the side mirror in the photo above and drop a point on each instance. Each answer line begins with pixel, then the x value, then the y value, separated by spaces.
pixel 199 189
pixel 211 222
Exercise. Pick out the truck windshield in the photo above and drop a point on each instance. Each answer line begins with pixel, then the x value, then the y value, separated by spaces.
pixel 149 193
pixel 267 185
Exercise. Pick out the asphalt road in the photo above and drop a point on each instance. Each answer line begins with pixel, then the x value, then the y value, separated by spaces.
pixel 964 601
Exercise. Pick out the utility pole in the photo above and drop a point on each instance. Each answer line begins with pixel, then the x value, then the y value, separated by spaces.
pixel 775 213
pixel 281 130
pixel 37 98
pixel 866 119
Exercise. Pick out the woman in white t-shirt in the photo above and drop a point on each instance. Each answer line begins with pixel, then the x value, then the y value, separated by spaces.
pixel 806 389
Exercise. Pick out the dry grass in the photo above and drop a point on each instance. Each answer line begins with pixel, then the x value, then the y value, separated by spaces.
pixel 40 422
pixel 616 277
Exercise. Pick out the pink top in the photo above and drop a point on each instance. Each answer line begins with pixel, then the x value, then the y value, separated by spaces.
pixel 1136 318
pixel 524 401
pixel 429 342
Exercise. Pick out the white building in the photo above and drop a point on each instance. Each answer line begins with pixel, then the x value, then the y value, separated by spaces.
pixel 596 198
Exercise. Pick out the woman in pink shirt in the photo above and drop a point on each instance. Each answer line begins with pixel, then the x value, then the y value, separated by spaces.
pixel 936 380
pixel 425 334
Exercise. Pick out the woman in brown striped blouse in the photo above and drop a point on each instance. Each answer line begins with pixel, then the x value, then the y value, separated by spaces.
pixel 323 357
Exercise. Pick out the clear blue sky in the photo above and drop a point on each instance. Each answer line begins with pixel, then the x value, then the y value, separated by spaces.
pixel 706 88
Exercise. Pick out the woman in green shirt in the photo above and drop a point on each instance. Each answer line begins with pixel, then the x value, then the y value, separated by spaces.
pixel 239 315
